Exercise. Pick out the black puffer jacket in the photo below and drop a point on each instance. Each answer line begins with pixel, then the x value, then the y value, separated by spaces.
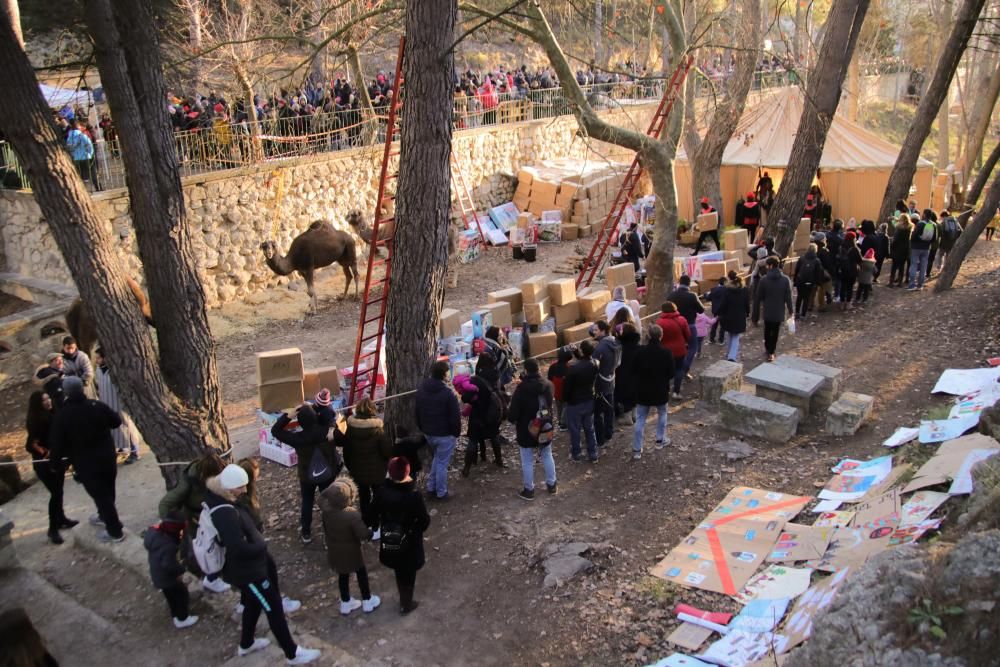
pixel 774 291
pixel 81 432
pixel 437 409
pixel 312 436
pixel 524 406
pixel 400 503
pixel 625 373
pixel 164 568
pixel 735 308
pixel 246 550
pixel 654 369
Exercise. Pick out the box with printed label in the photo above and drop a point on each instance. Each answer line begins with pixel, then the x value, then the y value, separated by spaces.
pixel 277 366
pixel 272 450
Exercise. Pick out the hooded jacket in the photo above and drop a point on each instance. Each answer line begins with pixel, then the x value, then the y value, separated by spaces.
pixel 625 373
pixel 81 432
pixel 437 409
pixel 344 528
pixel 162 548
pixel 774 291
pixel 735 308
pixel 246 550
pixel 687 302
pixel 676 333
pixel 400 503
pixel 578 387
pixel 185 498
pixel 312 436
pixel 654 369
pixel 367 449
pixel 524 406
pixel 608 355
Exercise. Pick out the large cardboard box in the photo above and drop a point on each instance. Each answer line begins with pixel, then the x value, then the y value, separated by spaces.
pixel 562 291
pixel 544 191
pixel 712 271
pixel 502 317
pixel 566 314
pixel 534 289
pixel 279 396
pixel 540 343
pixel 537 209
pixel 450 323
pixel 632 292
pixel 310 384
pixel 592 304
pixel 278 366
pixel 576 333
pixel 735 239
pixel 524 176
pixel 521 202
pixel 581 207
pixel 511 295
pixel 536 313
pixel 706 222
pixel 619 274
pixel 568 190
pixel 570 232
pixel 733 264
pixel 585 231
pixel 788 267
pixel 329 378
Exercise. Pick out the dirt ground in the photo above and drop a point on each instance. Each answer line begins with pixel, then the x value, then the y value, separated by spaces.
pixel 482 596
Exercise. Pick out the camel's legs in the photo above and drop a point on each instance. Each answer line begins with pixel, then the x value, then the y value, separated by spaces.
pixel 311 291
pixel 347 280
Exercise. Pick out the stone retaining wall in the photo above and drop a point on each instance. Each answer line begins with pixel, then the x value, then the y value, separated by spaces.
pixel 232 212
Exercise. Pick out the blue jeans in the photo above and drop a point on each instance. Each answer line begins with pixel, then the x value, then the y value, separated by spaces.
pixel 683 369
pixel 733 352
pixel 437 480
pixel 528 466
pixel 918 267
pixel 641 413
pixel 580 416
pixel 604 415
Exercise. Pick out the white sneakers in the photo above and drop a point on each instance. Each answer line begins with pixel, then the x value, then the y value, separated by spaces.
pixel 304 656
pixel 377 535
pixel 349 606
pixel 259 643
pixel 371 604
pixel 289 605
pixel 215 586
pixel 660 444
pixel 186 623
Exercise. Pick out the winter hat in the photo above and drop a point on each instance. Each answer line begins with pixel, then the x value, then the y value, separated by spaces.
pixel 72 386
pixel 809 197
pixel 850 236
pixel 52 356
pixel 704 200
pixel 233 477
pixel 761 253
pixel 323 398
pixel 751 196
pixel 870 254
pixel 218 108
pixel 398 469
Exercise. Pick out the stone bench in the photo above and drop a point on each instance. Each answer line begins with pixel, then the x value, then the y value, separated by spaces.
pixel 785 385
pixel 717 379
pixel 848 413
pixel 758 417
pixel 832 379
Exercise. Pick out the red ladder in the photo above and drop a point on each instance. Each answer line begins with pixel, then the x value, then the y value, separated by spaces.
pixel 595 260
pixel 464 203
pixel 371 326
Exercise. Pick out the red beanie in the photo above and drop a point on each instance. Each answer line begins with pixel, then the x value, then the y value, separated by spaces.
pixel 323 397
pixel 398 468
pixel 850 236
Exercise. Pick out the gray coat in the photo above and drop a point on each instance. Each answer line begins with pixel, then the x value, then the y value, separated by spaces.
pixel 774 291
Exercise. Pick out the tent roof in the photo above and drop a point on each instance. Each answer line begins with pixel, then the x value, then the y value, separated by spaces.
pixel 765 133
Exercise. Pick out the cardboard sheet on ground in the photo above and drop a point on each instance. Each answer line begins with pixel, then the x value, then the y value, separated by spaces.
pixel 798 542
pixel 920 506
pixel 775 582
pixel 841 518
pixel 959 381
pixel 851 547
pixel 689 636
pixel 724 551
pixel 945 464
pixel 902 436
pixel 939 430
pixel 877 512
pixel 680 660
pixel 856 478
pixel 962 484
pixel 760 615
pixel 800 622
pixel 738 649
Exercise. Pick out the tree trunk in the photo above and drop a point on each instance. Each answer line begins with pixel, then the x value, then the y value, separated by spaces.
pixel 174 430
pixel 982 112
pixel 819 107
pixel 906 163
pixel 973 231
pixel 195 36
pixel 944 126
pixel 13 13
pixel 367 110
pixel 317 68
pixel 983 176
pixel 598 32
pixel 255 149
pixel 423 204
pixel 660 263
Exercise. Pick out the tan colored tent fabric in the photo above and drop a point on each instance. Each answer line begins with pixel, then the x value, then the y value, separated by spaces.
pixel 854 168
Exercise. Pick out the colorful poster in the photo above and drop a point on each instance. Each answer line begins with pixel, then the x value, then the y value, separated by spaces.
pixel 881 465
pixel 851 547
pixel 962 484
pixel 939 430
pixel 854 478
pixel 505 216
pixel 680 660
pixel 920 506
pixel 798 542
pixel 760 615
pixel 912 533
pixel 975 402
pixel 841 518
pixel 775 582
pixel 800 623
pixel 960 381
pixel 737 649
pixel 824 506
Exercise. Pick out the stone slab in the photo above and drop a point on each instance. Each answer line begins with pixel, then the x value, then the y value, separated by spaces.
pixel 800 403
pixel 848 413
pixel 758 417
pixel 788 380
pixel 717 379
pixel 832 379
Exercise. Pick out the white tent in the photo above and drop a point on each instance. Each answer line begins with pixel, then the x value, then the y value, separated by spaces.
pixel 854 167
pixel 57 97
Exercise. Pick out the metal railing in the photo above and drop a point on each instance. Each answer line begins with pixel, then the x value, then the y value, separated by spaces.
pixel 227 145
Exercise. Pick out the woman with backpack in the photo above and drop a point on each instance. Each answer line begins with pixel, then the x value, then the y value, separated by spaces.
pixel 404 518
pixel 808 274
pixel 532 412
pixel 848 265
pixel 367 450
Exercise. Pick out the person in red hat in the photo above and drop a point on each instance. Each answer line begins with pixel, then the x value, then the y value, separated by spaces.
pixel 748 216
pixel 765 191
pixel 404 518
pixel 811 211
pixel 713 233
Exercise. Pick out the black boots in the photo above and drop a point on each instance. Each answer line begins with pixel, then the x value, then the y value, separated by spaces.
pixel 497 454
pixel 406 601
pixel 55 537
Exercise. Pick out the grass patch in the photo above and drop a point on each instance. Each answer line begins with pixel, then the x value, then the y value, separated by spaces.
pixel 664 592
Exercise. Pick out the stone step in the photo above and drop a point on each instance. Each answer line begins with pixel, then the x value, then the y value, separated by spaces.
pixel 832 379
pixel 786 380
pixel 717 379
pixel 848 413
pixel 758 417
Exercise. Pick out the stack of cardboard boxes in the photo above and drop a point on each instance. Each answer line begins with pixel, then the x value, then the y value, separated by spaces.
pixel 800 243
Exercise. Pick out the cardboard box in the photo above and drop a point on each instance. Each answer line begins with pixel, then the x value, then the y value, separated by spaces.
pixel 536 313
pixel 279 396
pixel 537 209
pixel 712 271
pixel 584 231
pixel 329 378
pixel 481 321
pixel 279 366
pixel 540 343
pixel 619 274
pixel 523 189
pixel 502 317
pixel 562 291
pixel 521 202
pixel 272 450
pixel 788 267
pixel 632 292
pixel 570 232
pixel 534 289
pixel 592 304
pixel 524 176
pixel 511 295
pixel 566 314
pixel 735 239
pixel 568 190
pixel 544 191
pixel 581 207
pixel 525 220
pixel 576 333
pixel 310 384
pixel 450 323
pixel 706 222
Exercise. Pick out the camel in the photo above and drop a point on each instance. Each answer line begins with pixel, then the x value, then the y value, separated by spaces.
pixel 364 230
pixel 320 245
pixel 81 324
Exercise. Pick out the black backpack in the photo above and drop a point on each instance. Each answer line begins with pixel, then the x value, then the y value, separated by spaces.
pixel 395 538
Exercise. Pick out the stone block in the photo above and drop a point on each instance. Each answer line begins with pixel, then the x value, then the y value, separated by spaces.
pixel 758 417
pixel 800 403
pixel 717 379
pixel 784 379
pixel 829 391
pixel 848 413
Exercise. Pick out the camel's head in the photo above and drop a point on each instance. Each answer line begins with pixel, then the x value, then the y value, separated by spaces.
pixel 269 249
pixel 354 218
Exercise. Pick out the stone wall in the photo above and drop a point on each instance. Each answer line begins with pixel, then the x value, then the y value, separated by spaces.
pixel 232 212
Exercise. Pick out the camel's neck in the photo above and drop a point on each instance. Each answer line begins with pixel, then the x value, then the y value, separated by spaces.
pixel 279 264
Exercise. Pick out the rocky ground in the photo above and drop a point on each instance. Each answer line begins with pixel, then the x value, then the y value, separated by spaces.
pixel 483 591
